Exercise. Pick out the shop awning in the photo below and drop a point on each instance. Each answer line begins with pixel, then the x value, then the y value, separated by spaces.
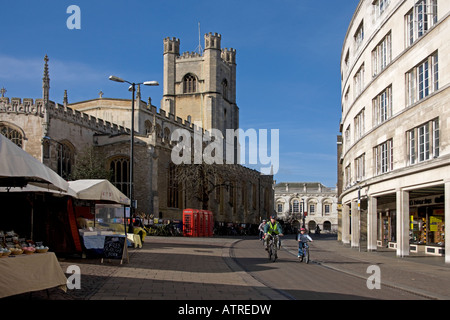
pixel 19 169
pixel 101 190
pixel 98 190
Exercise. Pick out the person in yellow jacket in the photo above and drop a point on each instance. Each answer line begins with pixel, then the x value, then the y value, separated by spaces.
pixel 273 227
pixel 138 228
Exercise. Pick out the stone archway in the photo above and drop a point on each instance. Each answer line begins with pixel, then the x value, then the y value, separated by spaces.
pixel 311 225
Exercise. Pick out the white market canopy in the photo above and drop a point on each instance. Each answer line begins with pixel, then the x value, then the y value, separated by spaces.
pixel 101 190
pixel 19 169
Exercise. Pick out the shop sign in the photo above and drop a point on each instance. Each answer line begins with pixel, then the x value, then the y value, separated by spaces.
pixel 426 201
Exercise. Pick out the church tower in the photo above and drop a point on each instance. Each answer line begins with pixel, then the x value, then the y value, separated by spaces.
pixel 201 87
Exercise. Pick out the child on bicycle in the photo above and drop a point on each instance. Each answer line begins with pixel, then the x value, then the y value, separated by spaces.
pixel 302 239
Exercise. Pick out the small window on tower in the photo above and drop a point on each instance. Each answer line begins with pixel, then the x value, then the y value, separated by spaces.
pixel 190 84
pixel 225 89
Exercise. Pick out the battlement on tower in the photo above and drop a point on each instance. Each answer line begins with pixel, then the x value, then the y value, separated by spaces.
pixel 229 55
pixel 212 41
pixel 172 45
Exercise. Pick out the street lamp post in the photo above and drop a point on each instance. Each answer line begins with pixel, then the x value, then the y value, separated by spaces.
pixel 133 89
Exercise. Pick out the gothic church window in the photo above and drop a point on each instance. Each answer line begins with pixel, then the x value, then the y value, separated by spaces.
pixel 65 160
pixel 173 188
pixel 148 127
pixel 225 89
pixel 120 168
pixel 12 134
pixel 189 84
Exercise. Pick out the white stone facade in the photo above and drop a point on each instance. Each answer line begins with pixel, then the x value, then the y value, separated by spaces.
pixel 395 126
pixel 294 199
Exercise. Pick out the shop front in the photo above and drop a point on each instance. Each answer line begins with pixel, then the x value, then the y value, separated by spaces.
pixel 427 223
pixel 387 229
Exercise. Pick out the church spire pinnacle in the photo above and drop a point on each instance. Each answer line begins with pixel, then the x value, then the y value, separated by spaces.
pixel 46 82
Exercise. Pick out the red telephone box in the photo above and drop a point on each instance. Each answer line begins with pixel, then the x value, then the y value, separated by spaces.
pixel 190 222
pixel 208 223
pixel 201 224
pixel 197 223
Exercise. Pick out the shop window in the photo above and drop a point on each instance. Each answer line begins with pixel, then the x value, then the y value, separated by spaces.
pixel 427 224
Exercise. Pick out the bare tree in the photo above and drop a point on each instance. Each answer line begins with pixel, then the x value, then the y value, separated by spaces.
pixel 201 180
pixel 90 165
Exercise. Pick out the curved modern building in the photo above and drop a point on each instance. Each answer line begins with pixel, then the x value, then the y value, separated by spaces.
pixel 395 126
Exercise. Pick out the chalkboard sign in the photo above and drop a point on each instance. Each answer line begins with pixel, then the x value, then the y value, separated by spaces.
pixel 115 247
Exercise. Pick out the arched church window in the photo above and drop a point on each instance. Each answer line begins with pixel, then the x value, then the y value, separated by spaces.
pixel 148 127
pixel 189 84
pixel 166 134
pixel 120 168
pixel 12 134
pixel 225 89
pixel 65 159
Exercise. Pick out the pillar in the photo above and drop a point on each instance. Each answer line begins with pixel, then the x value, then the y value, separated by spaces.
pixel 355 225
pixel 447 221
pixel 345 224
pixel 372 224
pixel 402 223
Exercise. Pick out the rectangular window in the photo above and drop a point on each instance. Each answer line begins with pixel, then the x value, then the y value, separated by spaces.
pixel 420 19
pixel 380 6
pixel 381 55
pixel 295 206
pixel 359 35
pixel 359 122
pixel 436 148
pixel 358 81
pixel 412 147
pixel 360 163
pixel 280 208
pixel 348 176
pixel 423 79
pixel 347 138
pixel 423 142
pixel 384 157
pixel 382 106
pixel 327 209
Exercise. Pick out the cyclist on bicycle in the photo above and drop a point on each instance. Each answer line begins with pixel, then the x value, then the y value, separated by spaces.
pixel 272 227
pixel 302 239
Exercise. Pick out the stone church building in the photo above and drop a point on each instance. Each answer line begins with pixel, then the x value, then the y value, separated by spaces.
pixel 199 94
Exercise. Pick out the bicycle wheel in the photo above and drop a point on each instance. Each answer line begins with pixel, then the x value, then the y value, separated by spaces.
pixel 274 251
pixel 269 250
pixel 306 253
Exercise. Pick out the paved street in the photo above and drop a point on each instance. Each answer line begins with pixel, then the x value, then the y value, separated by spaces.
pixel 337 272
pixel 222 269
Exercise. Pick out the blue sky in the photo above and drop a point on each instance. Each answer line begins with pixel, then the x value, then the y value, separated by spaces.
pixel 288 56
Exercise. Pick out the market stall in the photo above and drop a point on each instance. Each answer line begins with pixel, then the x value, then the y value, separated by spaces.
pixel 30 272
pixel 109 216
pixel 25 266
pixel 19 169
